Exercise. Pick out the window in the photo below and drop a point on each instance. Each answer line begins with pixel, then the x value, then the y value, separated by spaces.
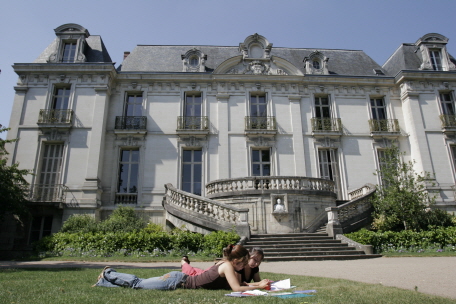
pixel 194 61
pixel 378 108
pixel 48 190
pixel 261 162
pixel 128 171
pixel 193 105
pixel 322 107
pixel 446 100
pixel 453 155
pixel 41 227
pixel 61 98
pixel 258 106
pixel 436 60
pixel 192 171
pixel 383 163
pixel 316 64
pixel 133 105
pixel 329 168
pixel 69 52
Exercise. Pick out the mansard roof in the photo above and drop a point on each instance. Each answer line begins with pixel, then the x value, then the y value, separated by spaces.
pixel 167 58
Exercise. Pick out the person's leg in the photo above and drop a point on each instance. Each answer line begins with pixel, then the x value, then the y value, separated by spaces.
pixel 169 281
pixel 119 279
pixel 190 270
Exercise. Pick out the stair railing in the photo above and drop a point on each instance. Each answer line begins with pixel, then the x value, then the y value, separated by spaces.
pixel 342 219
pixel 205 212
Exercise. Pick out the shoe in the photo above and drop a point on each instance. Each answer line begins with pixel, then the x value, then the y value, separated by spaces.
pixel 185 259
pixel 101 276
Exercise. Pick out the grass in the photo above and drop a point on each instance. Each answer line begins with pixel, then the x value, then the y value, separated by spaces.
pixel 73 285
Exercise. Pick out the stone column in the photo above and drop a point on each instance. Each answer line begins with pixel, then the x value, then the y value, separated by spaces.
pixel 224 144
pixel 298 142
pixel 414 125
pixel 96 146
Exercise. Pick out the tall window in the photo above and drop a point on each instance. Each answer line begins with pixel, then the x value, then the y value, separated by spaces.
pixel 436 60
pixel 192 171
pixel 383 160
pixel 133 105
pixel 50 173
pixel 258 106
pixel 61 98
pixel 378 108
pixel 128 171
pixel 329 168
pixel 41 227
pixel 69 52
pixel 261 162
pixel 447 102
pixel 193 105
pixel 322 107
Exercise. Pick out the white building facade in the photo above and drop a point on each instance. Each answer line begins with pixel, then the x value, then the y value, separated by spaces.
pixel 97 136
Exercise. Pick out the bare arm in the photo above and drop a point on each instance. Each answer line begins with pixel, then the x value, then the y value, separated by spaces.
pixel 226 270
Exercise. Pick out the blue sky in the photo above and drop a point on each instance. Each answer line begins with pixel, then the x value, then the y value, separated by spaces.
pixel 376 27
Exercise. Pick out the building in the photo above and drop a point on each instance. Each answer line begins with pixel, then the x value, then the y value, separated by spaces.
pixel 245 126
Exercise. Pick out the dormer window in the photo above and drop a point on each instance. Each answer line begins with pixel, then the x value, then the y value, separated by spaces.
pixel 436 60
pixel 316 63
pixel 194 61
pixel 69 52
pixel 71 44
pixel 434 55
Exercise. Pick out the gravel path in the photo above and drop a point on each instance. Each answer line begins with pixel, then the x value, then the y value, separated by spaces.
pixel 432 275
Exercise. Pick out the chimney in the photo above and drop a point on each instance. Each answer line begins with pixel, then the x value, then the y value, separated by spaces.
pixel 126 54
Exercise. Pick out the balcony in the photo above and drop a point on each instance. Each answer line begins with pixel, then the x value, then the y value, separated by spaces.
pixel 43 193
pixel 448 123
pixel 192 125
pixel 326 126
pixel 51 118
pixel 262 125
pixel 384 127
pixel 130 124
pixel 126 198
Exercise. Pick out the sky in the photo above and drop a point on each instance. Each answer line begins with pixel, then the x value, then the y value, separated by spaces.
pixel 378 27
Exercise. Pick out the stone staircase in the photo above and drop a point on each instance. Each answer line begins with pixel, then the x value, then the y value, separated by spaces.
pixel 304 247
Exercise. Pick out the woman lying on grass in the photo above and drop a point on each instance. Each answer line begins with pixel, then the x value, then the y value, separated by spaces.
pixel 220 276
pixel 250 272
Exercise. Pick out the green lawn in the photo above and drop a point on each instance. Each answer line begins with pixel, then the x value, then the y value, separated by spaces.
pixel 73 285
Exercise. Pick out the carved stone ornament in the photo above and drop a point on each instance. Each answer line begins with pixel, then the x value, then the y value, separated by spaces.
pixel 192 141
pixel 327 142
pixel 261 141
pixel 130 141
pixel 54 135
pixel 257 67
pixel 385 142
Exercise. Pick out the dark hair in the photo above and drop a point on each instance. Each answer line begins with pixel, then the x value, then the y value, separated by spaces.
pixel 256 251
pixel 238 252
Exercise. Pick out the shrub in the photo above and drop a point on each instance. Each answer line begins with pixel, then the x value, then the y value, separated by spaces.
pixel 381 241
pixel 79 223
pixel 122 219
pixel 215 241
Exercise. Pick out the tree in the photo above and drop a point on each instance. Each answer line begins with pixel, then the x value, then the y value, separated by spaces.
pixel 13 186
pixel 402 201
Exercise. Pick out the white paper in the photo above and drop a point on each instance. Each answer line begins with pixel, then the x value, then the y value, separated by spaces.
pixel 279 285
pixel 255 292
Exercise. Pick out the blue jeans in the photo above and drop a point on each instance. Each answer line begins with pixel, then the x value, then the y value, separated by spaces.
pixel 169 281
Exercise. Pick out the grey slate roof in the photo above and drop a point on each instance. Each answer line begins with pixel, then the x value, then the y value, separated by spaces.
pixel 162 58
pixel 406 57
pixel 94 52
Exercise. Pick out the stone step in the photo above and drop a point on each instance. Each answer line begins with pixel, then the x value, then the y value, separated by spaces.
pixel 253 236
pixel 297 245
pixel 281 243
pixel 306 249
pixel 312 253
pixel 293 239
pixel 322 257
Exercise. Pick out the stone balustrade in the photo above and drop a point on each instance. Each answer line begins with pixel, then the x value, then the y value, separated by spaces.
pixel 242 185
pixel 342 216
pixel 209 213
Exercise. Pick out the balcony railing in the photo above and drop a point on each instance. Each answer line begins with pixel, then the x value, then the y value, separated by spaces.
pixel 260 123
pixel 131 122
pixel 384 126
pixel 126 198
pixel 326 125
pixel 55 116
pixel 448 121
pixel 48 193
pixel 197 123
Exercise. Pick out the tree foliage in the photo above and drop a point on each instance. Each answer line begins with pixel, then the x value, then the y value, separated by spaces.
pixel 402 201
pixel 13 186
